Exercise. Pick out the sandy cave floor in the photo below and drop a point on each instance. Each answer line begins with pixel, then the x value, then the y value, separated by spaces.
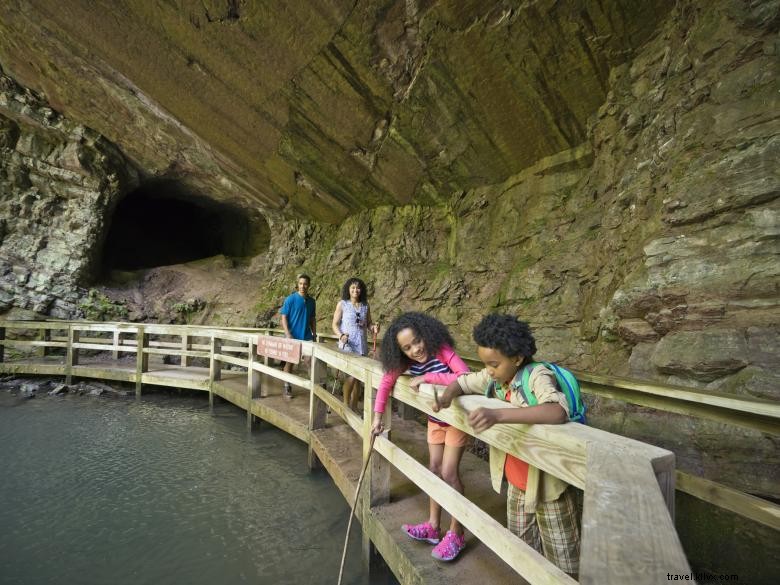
pixel 229 293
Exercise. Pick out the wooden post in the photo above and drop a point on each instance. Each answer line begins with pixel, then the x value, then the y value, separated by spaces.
pixel 666 483
pixel 252 382
pixel 366 551
pixel 379 470
pixel 264 380
pixel 117 344
pixel 2 345
pixel 621 493
pixel 215 368
pixel 378 480
pixel 141 359
pixel 318 411
pixel 72 356
pixel 186 345
pixel 45 336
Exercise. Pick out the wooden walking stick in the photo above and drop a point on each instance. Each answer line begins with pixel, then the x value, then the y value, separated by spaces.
pixel 354 504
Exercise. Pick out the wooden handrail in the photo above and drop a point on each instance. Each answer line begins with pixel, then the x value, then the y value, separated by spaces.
pixel 558 449
pixel 753 413
pixel 747 506
pixel 762 415
pixel 749 412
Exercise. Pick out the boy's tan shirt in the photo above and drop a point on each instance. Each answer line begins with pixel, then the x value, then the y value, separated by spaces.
pixel 542 383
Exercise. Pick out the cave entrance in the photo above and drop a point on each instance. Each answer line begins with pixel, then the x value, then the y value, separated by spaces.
pixel 162 223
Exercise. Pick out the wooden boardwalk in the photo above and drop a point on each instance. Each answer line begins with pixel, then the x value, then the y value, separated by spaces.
pixel 625 482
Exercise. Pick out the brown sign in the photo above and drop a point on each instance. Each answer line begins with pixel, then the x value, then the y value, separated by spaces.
pixel 279 348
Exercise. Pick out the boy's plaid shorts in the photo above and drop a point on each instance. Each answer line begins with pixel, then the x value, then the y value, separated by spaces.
pixel 553 530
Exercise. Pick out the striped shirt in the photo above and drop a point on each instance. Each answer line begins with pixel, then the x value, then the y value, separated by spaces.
pixel 432 366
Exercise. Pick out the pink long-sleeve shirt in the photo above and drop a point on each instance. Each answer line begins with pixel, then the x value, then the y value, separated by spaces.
pixel 446 355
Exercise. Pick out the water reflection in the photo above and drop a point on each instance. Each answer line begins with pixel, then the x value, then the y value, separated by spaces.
pixel 99 491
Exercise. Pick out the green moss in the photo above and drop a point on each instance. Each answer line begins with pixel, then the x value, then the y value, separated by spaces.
pixel 186 309
pixel 717 541
pixel 98 307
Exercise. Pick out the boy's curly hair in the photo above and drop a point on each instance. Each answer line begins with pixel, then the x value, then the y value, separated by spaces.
pixel 432 331
pixel 363 293
pixel 507 334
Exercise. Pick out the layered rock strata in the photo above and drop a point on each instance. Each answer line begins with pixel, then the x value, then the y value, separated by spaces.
pixel 59 182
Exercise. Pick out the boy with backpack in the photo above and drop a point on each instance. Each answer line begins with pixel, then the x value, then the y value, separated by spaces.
pixel 541 508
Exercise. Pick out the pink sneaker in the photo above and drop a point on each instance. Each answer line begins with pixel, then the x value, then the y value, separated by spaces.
pixel 423 531
pixel 449 547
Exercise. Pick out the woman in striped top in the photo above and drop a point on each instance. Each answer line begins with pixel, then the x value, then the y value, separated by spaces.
pixel 422 345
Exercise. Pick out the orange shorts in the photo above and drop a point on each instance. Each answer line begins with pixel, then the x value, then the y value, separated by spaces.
pixel 448 436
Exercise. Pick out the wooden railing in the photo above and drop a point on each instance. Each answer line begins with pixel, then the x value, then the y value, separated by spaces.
pixel 748 412
pixel 628 517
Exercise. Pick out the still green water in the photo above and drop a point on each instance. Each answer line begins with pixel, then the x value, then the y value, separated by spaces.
pixel 114 491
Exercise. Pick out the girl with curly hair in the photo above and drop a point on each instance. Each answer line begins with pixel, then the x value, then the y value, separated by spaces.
pixel 423 346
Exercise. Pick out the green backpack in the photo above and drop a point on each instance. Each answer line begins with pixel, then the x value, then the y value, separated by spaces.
pixel 567 384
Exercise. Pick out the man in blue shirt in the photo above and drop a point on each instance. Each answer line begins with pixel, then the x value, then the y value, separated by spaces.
pixel 298 319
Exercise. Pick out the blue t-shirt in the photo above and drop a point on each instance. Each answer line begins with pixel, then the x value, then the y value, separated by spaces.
pixel 300 312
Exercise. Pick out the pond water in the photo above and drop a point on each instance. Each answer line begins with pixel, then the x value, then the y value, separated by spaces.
pixel 98 491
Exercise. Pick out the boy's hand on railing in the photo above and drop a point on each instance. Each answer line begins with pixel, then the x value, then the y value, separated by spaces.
pixel 445 398
pixel 482 419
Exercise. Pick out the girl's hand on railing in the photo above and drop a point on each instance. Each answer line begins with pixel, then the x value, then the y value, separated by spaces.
pixel 377 426
pixel 415 382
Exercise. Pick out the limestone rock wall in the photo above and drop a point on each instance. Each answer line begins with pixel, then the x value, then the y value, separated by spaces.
pixel 651 250
pixel 700 106
pixel 652 239
pixel 59 182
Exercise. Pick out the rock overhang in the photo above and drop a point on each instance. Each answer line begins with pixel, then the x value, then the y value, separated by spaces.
pixel 315 110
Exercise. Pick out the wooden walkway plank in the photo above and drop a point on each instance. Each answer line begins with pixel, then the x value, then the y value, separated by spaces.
pixel 291 416
pixel 339 449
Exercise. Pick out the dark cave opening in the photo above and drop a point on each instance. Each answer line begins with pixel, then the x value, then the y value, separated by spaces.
pixel 163 223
